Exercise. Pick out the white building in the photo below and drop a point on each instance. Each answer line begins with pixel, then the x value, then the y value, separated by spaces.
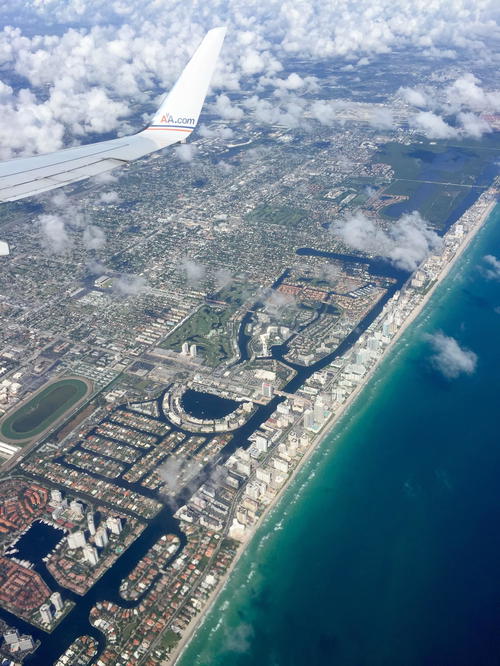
pixel 114 524
pixel 101 537
pixel 55 497
pixel 56 599
pixel 46 613
pixel 91 523
pixel 261 444
pixel 76 540
pixel 309 419
pixel 76 509
pixel 90 554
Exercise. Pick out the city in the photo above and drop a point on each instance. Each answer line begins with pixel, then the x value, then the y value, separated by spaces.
pixel 206 338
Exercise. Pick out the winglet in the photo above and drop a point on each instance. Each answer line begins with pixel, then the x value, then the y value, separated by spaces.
pixel 178 115
pixel 4 249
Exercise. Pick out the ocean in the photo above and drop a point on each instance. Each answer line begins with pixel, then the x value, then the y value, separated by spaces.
pixel 385 549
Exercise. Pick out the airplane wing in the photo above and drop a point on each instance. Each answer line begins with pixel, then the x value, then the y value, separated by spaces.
pixel 173 122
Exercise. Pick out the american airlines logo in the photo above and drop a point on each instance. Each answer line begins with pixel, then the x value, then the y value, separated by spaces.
pixel 168 119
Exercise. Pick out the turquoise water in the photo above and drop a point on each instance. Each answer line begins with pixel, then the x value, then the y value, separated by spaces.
pixel 386 548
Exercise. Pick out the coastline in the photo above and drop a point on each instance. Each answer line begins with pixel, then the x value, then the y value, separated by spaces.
pixel 328 427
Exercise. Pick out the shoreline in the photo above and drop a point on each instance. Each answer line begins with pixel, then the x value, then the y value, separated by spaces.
pixel 197 622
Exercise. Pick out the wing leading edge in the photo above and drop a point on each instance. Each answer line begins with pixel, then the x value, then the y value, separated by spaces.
pixel 173 122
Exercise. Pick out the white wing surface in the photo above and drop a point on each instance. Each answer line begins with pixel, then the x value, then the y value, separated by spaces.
pixel 174 121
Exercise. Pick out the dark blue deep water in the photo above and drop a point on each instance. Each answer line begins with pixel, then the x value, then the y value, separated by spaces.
pixel 38 541
pixel 207 405
pixel 386 548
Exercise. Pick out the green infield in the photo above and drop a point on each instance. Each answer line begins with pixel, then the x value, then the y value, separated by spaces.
pixel 43 409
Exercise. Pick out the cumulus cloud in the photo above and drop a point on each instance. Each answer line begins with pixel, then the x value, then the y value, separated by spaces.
pixel 473 125
pixel 328 271
pixel 177 473
pixel 275 301
pixel 405 244
pixel 94 238
pixel 218 132
pixel 224 108
pixel 194 271
pixel 186 152
pixel 288 111
pixel 432 125
pixel 129 285
pixel 382 119
pixel 106 178
pixel 111 197
pixel 466 91
pixel 80 81
pixel 223 277
pixel 55 237
pixel 449 358
pixel 414 96
pixel 95 267
pixel 461 102
pixel 492 268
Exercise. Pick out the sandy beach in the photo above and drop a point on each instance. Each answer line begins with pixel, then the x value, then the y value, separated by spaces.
pixel 197 621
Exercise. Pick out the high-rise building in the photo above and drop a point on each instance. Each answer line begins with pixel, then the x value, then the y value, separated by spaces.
pixel 91 523
pixel 46 613
pixel 76 509
pixel 56 599
pixel 76 540
pixel 185 349
pixel 90 554
pixel 308 419
pixel 101 537
pixel 114 524
pixel 55 497
pixel 193 351
pixel 267 390
pixel 261 444
pixel 319 411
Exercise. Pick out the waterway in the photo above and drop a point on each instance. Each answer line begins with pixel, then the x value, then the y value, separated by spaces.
pixel 385 549
pixel 439 167
pixel 203 405
pixel 107 588
pixel 37 542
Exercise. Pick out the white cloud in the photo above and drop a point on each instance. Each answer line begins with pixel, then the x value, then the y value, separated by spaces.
pixel 492 268
pixel 55 237
pixel 449 358
pixel 466 91
pixel 84 80
pixel 472 125
pixel 218 132
pixel 186 152
pixel 129 285
pixel 432 125
pixel 405 244
pixel 111 197
pixel 194 271
pixel 225 109
pixel 414 97
pixel 223 277
pixel 382 119
pixel 275 301
pixel 93 237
